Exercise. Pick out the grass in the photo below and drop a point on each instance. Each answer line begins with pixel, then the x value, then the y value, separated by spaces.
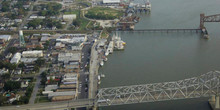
pixel 72 12
pixel 104 34
pixel 105 10
pixel 41 99
pixel 83 24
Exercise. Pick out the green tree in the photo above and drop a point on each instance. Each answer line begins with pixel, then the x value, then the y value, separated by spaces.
pixel 21 65
pixel 6 76
pixel 5 6
pixel 34 23
pixel 40 61
pixel 12 50
pixel 2 99
pixel 36 68
pixel 12 85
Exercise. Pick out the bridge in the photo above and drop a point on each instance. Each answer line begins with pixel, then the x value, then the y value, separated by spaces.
pixel 163 30
pixel 205 85
pixel 210 18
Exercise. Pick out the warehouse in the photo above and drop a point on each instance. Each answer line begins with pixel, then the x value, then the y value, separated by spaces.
pixel 35 53
pixel 111 1
pixel 69 57
pixel 16 58
pixel 69 17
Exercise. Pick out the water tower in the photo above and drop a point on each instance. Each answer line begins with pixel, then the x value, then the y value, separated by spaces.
pixel 21 38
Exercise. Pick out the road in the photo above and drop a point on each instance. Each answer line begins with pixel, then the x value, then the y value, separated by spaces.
pixel 83 79
pixel 36 86
pixel 52 105
pixel 93 72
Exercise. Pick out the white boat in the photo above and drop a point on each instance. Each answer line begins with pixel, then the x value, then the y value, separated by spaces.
pixel 99 78
pixel 105 59
pixel 102 63
pixel 102 75
pixel 106 53
pixel 148 5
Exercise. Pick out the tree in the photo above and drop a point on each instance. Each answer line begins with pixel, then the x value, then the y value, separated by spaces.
pixel 21 65
pixel 2 99
pixel 40 61
pixel 6 76
pixel 5 6
pixel 7 65
pixel 12 50
pixel 34 23
pixel 12 85
pixel 36 68
pixel 44 78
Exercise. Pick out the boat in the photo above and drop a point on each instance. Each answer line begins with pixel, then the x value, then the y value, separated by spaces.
pixel 99 79
pixel 105 59
pixel 206 36
pixel 148 5
pixel 102 75
pixel 101 63
pixel 106 53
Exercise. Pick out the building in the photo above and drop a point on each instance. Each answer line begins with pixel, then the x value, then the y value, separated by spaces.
pixel 111 1
pixel 69 57
pixel 72 38
pixel 24 84
pixel 3 71
pixel 69 17
pixel 34 53
pixel 44 39
pixel 70 77
pixel 67 93
pixel 5 37
pixel 71 67
pixel 49 89
pixel 16 58
pixel 28 60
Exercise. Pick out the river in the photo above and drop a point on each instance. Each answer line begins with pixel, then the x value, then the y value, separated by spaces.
pixel 158 57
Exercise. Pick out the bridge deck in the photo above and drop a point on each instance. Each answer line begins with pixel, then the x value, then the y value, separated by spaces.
pixel 164 30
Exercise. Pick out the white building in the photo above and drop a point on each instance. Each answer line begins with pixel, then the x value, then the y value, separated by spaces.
pixel 34 53
pixel 5 37
pixel 28 60
pixel 69 57
pixel 67 93
pixel 69 17
pixel 111 1
pixel 16 58
pixel 72 38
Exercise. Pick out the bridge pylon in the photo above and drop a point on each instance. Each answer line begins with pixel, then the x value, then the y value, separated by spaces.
pixel 202 16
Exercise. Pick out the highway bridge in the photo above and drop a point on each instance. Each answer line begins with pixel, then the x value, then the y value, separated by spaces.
pixel 163 30
pixel 205 85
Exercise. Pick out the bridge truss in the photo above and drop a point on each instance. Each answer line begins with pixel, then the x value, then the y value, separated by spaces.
pixel 211 18
pixel 202 86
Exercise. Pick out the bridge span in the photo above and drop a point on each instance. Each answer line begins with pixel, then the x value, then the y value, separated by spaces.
pixel 163 30
pixel 205 85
